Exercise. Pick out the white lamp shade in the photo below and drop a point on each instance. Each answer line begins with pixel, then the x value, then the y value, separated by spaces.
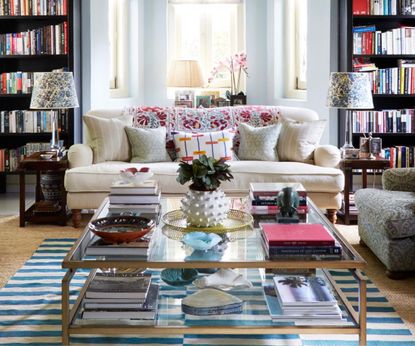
pixel 53 90
pixel 349 90
pixel 185 74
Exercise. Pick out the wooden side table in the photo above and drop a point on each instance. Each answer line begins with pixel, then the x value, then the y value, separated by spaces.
pixel 34 163
pixel 347 166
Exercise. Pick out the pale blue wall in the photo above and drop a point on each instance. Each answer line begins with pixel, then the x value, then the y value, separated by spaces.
pixel 263 32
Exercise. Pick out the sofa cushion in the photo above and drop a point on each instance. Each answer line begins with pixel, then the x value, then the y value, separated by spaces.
pixel 258 143
pixel 108 139
pixel 99 177
pixel 298 140
pixel 204 119
pixel 391 212
pixel 148 145
pixel 216 144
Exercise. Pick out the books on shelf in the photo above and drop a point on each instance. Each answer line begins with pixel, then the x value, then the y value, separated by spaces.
pixel 10 158
pixel 33 7
pixel 119 286
pixel 145 310
pixel 383 7
pixel 25 121
pixel 97 247
pixel 50 39
pixel 16 82
pixel 384 121
pixel 400 156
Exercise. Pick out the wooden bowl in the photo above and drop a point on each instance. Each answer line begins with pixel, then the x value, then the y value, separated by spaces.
pixel 121 229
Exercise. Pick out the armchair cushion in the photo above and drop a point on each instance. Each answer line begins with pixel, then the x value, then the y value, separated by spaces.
pixel 327 156
pixel 399 179
pixel 80 155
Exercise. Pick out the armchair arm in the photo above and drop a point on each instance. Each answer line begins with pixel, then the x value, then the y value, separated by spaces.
pixel 399 179
pixel 327 156
pixel 80 155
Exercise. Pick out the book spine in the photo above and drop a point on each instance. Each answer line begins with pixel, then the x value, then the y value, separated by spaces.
pixel 304 250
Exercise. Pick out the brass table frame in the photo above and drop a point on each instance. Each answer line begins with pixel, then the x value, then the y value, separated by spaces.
pixel 355 265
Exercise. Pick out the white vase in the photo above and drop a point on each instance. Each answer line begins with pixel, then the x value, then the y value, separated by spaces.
pixel 205 208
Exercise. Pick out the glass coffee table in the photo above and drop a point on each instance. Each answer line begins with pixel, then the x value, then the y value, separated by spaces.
pixel 243 252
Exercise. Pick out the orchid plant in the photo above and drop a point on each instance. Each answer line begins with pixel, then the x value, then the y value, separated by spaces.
pixel 236 65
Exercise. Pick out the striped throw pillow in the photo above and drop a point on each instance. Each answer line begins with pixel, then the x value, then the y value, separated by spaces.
pixel 190 146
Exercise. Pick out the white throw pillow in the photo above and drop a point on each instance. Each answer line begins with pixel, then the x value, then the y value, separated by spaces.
pixel 107 138
pixel 190 146
pixel 298 140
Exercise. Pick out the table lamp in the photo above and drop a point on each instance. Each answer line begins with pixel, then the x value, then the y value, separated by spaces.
pixel 185 74
pixel 349 90
pixel 54 91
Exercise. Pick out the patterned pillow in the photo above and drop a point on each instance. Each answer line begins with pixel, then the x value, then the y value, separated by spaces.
pixel 258 143
pixel 190 145
pixel 107 138
pixel 298 140
pixel 204 119
pixel 148 145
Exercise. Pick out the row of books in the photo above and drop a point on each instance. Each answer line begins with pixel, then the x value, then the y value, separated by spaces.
pixel 368 40
pixel 10 158
pixel 33 7
pixel 16 82
pixel 118 296
pixel 24 121
pixel 385 121
pixel 50 39
pixel 393 80
pixel 299 240
pixel 383 7
pixel 400 156
pixel 301 299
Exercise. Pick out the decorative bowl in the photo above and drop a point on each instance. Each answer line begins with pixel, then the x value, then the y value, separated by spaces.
pixel 46 156
pixel 178 277
pixel 121 229
pixel 201 240
pixel 134 176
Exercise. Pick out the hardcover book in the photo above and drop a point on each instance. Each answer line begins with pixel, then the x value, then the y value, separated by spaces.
pixel 272 189
pixel 97 247
pixel 300 234
pixel 148 187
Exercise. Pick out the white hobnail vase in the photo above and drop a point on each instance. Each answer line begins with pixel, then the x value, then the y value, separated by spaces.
pixel 205 208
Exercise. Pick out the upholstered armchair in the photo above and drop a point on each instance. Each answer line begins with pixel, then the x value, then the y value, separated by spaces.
pixel 387 221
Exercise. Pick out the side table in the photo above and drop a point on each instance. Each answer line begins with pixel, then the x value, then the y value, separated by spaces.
pixel 55 165
pixel 347 166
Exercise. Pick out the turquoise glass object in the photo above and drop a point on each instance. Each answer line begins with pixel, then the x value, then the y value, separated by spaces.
pixel 178 277
pixel 201 240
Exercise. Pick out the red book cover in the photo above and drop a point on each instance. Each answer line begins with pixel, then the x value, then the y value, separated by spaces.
pixel 65 30
pixel 299 234
pixel 360 7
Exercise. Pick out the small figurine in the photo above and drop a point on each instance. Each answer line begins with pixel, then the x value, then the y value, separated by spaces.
pixel 288 201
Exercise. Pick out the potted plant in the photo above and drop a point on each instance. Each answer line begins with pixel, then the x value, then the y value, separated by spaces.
pixel 204 205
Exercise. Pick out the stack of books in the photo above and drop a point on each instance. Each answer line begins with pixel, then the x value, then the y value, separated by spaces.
pixel 301 240
pixel 138 200
pixel 301 299
pixel 98 247
pixel 263 200
pixel 121 296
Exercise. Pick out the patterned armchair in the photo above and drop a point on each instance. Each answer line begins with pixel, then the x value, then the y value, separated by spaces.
pixel 387 221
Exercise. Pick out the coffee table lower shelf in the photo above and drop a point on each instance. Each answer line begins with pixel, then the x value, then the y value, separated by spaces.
pixel 357 326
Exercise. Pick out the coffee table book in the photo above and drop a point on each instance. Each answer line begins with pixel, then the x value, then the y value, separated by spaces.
pixel 149 187
pixel 272 189
pixel 97 247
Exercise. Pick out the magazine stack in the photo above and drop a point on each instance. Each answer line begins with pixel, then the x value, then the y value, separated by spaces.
pixel 301 240
pixel 301 299
pixel 135 199
pixel 121 296
pixel 263 200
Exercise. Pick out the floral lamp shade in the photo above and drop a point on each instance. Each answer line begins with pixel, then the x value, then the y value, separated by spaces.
pixel 349 90
pixel 185 74
pixel 54 90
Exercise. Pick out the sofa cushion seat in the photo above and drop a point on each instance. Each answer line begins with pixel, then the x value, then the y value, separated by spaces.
pixel 391 213
pixel 99 177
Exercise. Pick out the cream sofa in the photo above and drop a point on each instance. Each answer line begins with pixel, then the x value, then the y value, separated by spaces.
pixel 88 183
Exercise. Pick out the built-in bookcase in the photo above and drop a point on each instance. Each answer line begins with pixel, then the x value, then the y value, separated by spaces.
pixel 35 36
pixel 378 37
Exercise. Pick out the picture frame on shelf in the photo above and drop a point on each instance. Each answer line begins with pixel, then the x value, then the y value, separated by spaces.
pixel 363 147
pixel 203 101
pixel 238 100
pixel 376 145
pixel 214 93
pixel 185 95
pixel 221 102
pixel 184 104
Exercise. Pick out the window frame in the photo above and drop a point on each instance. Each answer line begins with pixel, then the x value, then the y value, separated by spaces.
pixel 294 88
pixel 118 17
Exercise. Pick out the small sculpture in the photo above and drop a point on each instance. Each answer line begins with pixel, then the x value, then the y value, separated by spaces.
pixel 288 201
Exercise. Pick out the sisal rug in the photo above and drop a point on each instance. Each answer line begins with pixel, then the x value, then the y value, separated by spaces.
pixel 30 311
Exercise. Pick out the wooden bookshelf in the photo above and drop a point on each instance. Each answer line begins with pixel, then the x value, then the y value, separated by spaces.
pixel 347 20
pixel 40 63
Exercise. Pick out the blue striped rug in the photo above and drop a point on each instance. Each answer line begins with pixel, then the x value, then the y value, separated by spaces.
pixel 30 311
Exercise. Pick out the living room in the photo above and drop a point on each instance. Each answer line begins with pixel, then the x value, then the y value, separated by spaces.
pixel 214 133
